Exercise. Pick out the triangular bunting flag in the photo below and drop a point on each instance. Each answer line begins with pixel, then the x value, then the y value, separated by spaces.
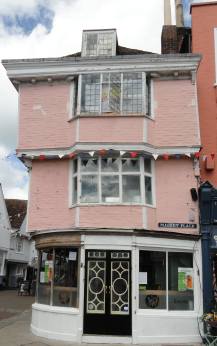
pixel 91 153
pixel 122 152
pixel 188 154
pixel 60 156
pixel 204 157
pixel 155 156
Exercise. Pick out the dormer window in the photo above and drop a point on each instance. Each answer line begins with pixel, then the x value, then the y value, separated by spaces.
pixel 99 43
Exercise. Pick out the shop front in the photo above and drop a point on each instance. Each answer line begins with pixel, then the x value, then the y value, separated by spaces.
pixel 120 287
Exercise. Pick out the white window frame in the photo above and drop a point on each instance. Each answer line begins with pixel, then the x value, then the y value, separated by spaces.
pixel 143 112
pixel 141 173
pixel 99 33
pixel 167 310
pixel 19 242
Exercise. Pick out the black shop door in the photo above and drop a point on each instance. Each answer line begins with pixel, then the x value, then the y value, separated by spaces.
pixel 107 293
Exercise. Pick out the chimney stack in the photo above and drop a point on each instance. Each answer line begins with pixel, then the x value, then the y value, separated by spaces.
pixel 167 13
pixel 179 13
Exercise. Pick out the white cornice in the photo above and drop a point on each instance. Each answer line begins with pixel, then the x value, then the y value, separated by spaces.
pixel 63 67
pixel 88 147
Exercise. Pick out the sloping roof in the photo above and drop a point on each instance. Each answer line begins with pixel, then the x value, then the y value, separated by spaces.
pixel 120 51
pixel 16 211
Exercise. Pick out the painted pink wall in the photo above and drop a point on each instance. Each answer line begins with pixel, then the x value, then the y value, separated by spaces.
pixel 174 179
pixel 49 200
pixel 43 116
pixel 44 113
pixel 48 203
pixel 176 119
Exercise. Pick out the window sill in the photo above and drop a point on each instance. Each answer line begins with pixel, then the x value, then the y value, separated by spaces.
pixel 108 115
pixel 56 309
pixel 167 313
pixel 112 204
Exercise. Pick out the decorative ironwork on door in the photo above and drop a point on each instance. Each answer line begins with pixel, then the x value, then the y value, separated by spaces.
pixel 96 287
pixel 120 287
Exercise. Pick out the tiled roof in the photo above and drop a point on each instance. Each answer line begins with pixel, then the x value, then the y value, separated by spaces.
pixel 16 211
pixel 120 51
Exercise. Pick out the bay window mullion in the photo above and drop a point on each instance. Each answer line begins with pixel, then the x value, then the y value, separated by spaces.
pixel 142 181
pixel 121 103
pixel 99 181
pixel 144 93
pixel 52 280
pixel 79 180
pixel 120 181
pixel 167 278
pixel 100 95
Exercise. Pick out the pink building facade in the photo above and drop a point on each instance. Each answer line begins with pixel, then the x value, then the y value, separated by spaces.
pixel 111 136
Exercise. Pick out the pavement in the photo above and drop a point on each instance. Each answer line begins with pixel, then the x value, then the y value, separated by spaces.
pixel 15 317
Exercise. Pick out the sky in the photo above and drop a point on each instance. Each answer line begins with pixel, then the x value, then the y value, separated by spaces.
pixel 51 28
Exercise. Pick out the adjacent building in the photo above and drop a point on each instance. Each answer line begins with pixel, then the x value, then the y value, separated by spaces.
pixel 204 41
pixel 111 136
pixel 4 239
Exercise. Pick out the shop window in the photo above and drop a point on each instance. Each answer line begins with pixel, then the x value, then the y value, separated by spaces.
pixel 118 93
pixel 65 278
pixel 58 277
pixel 166 280
pixel 112 180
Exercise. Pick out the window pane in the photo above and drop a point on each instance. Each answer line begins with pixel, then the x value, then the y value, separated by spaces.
pixel 74 189
pixel 90 93
pixel 66 277
pixel 110 165
pixel 181 283
pixel 129 165
pixel 131 188
pixel 152 280
pixel 148 95
pixel 111 92
pixel 75 166
pixel 147 165
pixel 105 44
pixel 89 188
pixel 148 190
pixel 45 276
pixel 91 44
pixel 110 188
pixel 132 93
pixel 89 165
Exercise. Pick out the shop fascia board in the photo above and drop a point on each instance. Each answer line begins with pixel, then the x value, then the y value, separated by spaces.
pixel 58 68
pixel 88 147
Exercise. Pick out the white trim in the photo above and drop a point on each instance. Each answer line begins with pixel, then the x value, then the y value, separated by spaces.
pixel 87 147
pixel 64 67
pixel 106 339
pixel 152 115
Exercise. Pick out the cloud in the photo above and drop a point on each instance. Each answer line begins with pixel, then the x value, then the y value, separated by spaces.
pixel 25 23
pixel 138 25
pixel 13 176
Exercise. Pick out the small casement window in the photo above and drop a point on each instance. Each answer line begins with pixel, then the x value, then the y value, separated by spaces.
pixel 19 245
pixel 99 43
pixel 117 93
pixel 112 181
pixel 166 280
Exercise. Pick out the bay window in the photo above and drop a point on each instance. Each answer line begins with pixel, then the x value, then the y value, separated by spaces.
pixel 166 280
pixel 115 93
pixel 112 180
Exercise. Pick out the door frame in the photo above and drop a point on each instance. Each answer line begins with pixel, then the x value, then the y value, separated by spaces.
pixel 108 263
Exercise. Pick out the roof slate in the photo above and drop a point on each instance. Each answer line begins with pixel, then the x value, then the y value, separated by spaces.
pixel 16 211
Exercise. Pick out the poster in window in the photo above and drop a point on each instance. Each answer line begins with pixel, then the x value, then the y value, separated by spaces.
pixel 72 255
pixel 48 272
pixel 185 279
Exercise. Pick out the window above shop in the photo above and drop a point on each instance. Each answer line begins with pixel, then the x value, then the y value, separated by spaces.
pixel 19 245
pixel 99 43
pixel 112 181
